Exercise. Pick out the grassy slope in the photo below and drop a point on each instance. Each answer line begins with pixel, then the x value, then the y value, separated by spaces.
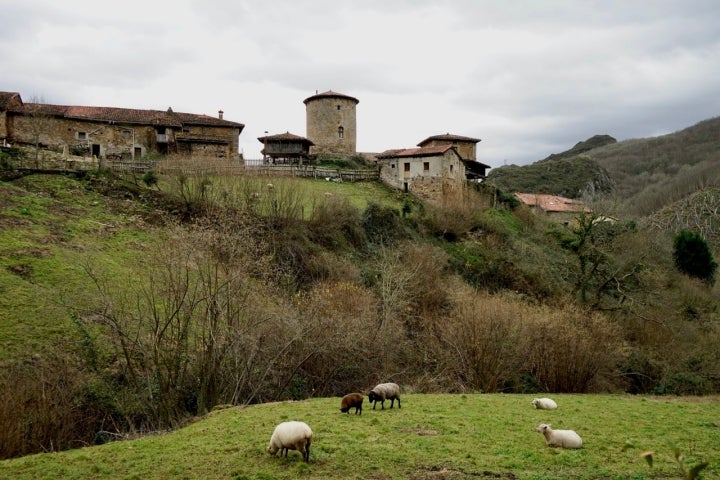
pixel 51 229
pixel 474 435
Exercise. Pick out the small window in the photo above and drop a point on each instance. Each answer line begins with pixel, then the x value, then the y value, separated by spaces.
pixel 406 167
pixel 451 168
pixel 392 165
pixel 82 135
pixel 341 132
pixel 426 166
pixel 338 107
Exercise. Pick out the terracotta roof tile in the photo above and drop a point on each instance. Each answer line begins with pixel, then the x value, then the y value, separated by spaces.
pixel 416 152
pixel 285 137
pixel 126 115
pixel 6 99
pixel 552 203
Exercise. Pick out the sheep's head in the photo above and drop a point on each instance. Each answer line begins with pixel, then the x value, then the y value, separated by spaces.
pixel 372 396
pixel 272 449
pixel 535 403
pixel 543 427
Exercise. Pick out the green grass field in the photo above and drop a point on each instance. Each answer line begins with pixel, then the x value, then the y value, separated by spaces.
pixel 431 437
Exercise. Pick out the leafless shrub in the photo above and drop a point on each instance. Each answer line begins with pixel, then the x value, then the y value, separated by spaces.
pixel 480 337
pixel 569 349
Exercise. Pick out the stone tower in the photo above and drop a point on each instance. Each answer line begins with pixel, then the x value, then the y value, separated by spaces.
pixel 331 122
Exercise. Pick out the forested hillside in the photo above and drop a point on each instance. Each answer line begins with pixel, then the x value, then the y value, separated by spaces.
pixel 642 175
pixel 130 306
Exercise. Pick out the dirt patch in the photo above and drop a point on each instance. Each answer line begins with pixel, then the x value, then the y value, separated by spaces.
pixel 419 430
pixel 23 271
pixel 443 473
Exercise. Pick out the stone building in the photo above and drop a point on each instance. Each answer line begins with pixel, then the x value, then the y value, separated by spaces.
pixel 331 122
pixel 466 148
pixel 115 133
pixel 285 148
pixel 428 171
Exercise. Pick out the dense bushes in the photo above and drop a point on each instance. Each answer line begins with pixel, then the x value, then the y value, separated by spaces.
pixel 260 295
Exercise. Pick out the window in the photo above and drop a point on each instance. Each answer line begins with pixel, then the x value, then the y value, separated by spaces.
pixel 341 132
pixel 451 168
pixel 338 107
pixel 406 166
pixel 426 166
pixel 81 135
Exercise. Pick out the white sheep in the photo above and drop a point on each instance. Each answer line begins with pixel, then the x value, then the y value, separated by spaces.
pixel 385 391
pixel 291 436
pixel 544 403
pixel 560 438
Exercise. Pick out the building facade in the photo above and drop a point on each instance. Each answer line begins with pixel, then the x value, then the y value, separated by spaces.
pixel 428 171
pixel 466 148
pixel 331 122
pixel 116 133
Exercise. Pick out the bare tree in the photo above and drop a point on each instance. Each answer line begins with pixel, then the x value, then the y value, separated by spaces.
pixel 39 122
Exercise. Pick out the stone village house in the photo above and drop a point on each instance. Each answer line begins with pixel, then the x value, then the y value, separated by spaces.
pixel 116 133
pixel 440 165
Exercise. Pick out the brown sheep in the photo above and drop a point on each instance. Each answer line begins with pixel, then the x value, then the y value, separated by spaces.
pixel 352 400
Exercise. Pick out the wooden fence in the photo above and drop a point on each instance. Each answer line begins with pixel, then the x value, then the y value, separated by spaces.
pixel 211 167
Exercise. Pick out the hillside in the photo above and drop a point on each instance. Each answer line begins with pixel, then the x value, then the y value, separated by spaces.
pixel 129 309
pixel 645 175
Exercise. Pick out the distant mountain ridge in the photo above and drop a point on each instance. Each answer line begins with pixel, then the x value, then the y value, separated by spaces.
pixel 645 175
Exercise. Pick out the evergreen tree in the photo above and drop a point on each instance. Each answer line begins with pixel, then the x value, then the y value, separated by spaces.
pixel 693 256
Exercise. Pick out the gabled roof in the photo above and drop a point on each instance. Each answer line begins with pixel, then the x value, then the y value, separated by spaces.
pixel 552 203
pixel 8 98
pixel 286 137
pixel 417 152
pixel 449 138
pixel 167 118
pixel 330 94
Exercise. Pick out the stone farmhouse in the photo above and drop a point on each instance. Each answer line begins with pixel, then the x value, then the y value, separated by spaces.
pixel 440 164
pixel 116 133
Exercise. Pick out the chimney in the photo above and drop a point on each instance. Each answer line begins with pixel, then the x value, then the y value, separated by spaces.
pixel 220 114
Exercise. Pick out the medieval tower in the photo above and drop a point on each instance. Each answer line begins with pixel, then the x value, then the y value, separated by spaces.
pixel 331 122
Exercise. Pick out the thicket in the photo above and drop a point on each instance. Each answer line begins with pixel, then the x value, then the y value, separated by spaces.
pixel 260 294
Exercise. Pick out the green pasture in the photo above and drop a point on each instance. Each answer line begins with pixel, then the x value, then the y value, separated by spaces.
pixel 431 437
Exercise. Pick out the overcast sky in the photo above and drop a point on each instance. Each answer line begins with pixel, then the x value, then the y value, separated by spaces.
pixel 529 78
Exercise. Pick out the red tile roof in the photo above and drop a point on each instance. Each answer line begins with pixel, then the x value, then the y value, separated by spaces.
pixel 285 137
pixel 6 98
pixel 416 152
pixel 166 118
pixel 552 203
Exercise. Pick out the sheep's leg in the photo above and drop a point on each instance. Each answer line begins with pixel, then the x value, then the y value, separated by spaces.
pixel 306 453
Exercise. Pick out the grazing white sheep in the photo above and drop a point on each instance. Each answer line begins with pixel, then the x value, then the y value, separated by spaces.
pixel 352 400
pixel 544 404
pixel 291 436
pixel 560 438
pixel 385 391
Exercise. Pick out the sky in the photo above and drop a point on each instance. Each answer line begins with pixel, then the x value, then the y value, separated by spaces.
pixel 528 78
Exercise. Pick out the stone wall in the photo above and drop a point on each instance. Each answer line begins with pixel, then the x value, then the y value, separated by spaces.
pixel 323 118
